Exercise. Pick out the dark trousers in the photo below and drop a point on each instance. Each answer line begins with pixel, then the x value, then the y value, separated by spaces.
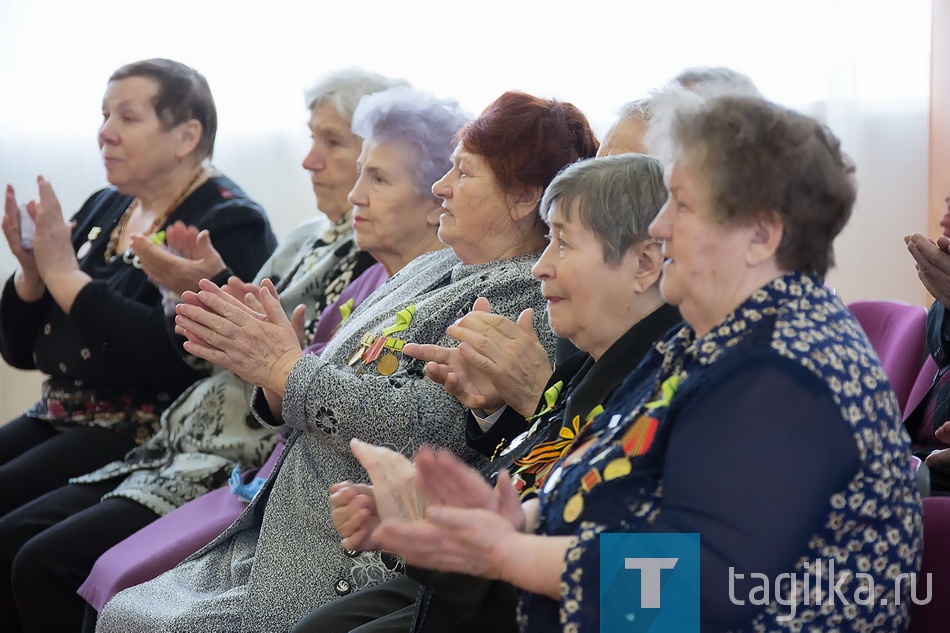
pixel 35 458
pixel 48 548
pixel 385 608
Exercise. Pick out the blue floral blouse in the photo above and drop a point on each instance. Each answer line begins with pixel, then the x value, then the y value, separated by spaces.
pixel 777 438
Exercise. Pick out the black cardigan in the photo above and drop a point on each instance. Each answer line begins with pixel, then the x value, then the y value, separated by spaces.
pixel 116 338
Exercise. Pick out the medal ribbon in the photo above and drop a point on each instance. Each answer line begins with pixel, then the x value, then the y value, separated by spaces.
pixel 550 398
pixel 346 310
pixel 403 319
pixel 667 389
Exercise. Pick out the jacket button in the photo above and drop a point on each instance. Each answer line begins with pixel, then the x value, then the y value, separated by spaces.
pixel 342 587
pixel 350 553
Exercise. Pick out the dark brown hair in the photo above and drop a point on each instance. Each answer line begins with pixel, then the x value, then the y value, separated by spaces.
pixel 183 94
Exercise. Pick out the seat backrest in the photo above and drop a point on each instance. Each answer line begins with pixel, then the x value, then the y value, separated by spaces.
pixel 897 332
pixel 933 617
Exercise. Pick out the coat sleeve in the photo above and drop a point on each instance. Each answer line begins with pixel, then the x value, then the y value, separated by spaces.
pixel 19 322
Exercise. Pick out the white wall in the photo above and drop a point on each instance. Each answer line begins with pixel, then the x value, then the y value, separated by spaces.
pixel 864 66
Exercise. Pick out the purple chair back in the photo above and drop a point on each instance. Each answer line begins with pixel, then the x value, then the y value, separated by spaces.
pixel 933 617
pixel 897 332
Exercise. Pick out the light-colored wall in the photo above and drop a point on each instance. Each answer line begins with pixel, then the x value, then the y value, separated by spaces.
pixel 939 116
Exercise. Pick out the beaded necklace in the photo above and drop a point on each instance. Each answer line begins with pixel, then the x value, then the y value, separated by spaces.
pixel 129 255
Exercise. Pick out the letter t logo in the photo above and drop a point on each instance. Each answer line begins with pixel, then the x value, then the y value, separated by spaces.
pixel 650 578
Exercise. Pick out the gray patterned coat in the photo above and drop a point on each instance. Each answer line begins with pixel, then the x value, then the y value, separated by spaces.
pixel 210 428
pixel 281 558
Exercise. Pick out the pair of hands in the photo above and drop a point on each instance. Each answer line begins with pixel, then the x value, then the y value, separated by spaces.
pixel 52 257
pixel 497 362
pixel 435 512
pixel 242 328
pixel 187 258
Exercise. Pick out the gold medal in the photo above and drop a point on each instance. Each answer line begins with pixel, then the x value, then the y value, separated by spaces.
pixel 573 508
pixel 617 468
pixel 387 365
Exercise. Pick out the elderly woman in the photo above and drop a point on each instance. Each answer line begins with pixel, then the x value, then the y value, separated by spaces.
pixel 203 434
pixel 209 429
pixel 600 276
pixel 766 424
pixel 80 308
pixel 278 562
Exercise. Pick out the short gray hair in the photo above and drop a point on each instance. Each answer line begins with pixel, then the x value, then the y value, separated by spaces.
pixel 715 81
pixel 344 89
pixel 616 197
pixel 416 118
pixel 640 110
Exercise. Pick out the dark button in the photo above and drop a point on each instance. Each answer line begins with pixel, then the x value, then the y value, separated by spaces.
pixel 342 587
pixel 351 553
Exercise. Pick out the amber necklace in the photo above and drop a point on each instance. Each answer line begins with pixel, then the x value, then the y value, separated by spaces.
pixel 129 256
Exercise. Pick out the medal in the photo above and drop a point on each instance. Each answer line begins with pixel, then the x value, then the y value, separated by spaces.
pixel 573 508
pixel 373 351
pixel 355 356
pixel 552 480
pixel 87 245
pixel 387 365
pixel 365 342
pixel 617 468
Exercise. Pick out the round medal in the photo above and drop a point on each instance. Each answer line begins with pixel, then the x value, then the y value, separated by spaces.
pixel 573 508
pixel 387 365
pixel 617 468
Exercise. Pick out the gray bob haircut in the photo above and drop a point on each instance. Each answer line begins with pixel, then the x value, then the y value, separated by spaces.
pixel 417 119
pixel 616 197
pixel 715 81
pixel 345 88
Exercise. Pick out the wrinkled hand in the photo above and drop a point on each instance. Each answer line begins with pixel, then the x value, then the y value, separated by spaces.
pixel 446 480
pixel 52 247
pixel 354 514
pixel 11 231
pixel 188 258
pixel 29 285
pixel 240 289
pixel 252 300
pixel 933 264
pixel 394 480
pixel 497 362
pixel 261 348
pixel 463 540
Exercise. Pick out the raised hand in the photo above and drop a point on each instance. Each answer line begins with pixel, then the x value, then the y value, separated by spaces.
pixel 497 362
pixel 261 348
pixel 52 248
pixel 27 281
pixel 933 264
pixel 188 258
pixel 394 481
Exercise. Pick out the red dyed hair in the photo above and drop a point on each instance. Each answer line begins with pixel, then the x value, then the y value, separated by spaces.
pixel 526 140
